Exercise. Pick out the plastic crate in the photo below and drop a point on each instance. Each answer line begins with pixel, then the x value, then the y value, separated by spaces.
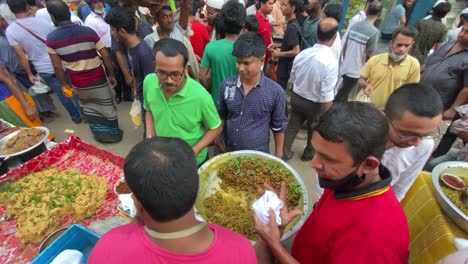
pixel 76 237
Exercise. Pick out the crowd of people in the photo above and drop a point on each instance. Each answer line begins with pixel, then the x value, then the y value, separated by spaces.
pixel 222 72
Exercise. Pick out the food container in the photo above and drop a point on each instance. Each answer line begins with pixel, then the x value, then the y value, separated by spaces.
pixel 209 180
pixel 453 181
pixel 27 154
pixel 76 237
pixel 456 168
pixel 39 88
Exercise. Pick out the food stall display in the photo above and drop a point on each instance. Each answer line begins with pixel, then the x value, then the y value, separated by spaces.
pixel 91 174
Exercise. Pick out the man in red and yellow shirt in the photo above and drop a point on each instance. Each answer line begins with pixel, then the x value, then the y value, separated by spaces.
pixel 358 218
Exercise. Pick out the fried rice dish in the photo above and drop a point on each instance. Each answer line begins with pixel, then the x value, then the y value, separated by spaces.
pixel 40 201
pixel 231 205
pixel 25 139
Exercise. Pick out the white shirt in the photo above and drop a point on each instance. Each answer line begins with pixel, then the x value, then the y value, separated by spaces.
pixel 97 23
pixel 405 164
pixel 336 47
pixel 43 14
pixel 359 16
pixel 314 74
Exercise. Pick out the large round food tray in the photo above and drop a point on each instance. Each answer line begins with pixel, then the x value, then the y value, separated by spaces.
pixel 450 208
pixel 5 139
pixel 209 180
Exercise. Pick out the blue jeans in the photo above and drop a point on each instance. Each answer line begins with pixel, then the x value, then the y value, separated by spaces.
pixel 72 105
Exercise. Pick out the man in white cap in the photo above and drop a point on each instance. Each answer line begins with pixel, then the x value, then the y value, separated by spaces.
pixel 213 7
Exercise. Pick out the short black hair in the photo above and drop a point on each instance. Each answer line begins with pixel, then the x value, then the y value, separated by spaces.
pixel 91 2
pixel 31 2
pixel 162 174
pixel 463 19
pixel 171 48
pixel 251 23
pixel 120 18
pixel 417 98
pixel 334 11
pixel 360 125
pixel 165 7
pixel 298 6
pixel 249 44
pixel 325 35
pixel 405 31
pixel 374 9
pixel 441 10
pixel 17 6
pixel 58 10
pixel 232 17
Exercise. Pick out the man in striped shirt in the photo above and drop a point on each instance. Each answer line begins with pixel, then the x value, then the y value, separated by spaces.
pixel 77 48
pixel 360 42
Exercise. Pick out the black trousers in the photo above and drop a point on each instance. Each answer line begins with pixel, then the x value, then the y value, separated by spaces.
pixel 446 142
pixel 346 87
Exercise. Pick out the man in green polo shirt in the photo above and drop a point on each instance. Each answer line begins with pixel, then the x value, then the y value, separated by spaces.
pixel 177 105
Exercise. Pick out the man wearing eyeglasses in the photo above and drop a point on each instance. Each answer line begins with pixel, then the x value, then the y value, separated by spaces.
pixel 177 105
pixel 414 112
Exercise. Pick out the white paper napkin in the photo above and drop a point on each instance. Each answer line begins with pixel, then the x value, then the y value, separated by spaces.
pixel 126 202
pixel 68 256
pixel 262 206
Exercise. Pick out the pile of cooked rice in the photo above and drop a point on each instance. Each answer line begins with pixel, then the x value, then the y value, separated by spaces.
pixel 231 207
pixel 40 201
pixel 456 196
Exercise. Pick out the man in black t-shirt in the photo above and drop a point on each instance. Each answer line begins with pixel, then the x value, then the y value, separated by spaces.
pixel 123 28
pixel 290 46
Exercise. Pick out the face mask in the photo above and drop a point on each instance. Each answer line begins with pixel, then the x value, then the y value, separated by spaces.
pixel 350 181
pixel 99 12
pixel 397 58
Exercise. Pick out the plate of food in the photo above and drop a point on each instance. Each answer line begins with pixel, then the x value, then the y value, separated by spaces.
pixel 41 201
pixel 229 186
pixel 22 141
pixel 450 180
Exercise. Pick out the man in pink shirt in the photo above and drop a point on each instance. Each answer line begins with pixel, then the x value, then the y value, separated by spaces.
pixel 162 173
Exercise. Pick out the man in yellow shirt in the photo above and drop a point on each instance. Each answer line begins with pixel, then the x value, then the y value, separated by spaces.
pixel 384 73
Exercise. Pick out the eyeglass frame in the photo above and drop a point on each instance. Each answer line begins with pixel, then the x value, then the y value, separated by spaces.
pixel 167 75
pixel 405 138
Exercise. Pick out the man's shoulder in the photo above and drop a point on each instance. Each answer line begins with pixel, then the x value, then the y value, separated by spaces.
pixel 196 89
pixel 229 237
pixel 121 232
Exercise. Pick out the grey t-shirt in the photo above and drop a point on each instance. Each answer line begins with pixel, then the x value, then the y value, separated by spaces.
pixel 361 38
pixel 392 20
pixel 8 59
pixel 35 49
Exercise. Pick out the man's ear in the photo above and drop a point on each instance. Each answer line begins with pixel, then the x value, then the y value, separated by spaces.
pixel 370 164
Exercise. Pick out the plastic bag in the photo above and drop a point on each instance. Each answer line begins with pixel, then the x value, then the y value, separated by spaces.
pixel 365 99
pixel 135 113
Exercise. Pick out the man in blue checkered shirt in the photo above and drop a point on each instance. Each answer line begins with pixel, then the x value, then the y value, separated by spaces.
pixel 250 104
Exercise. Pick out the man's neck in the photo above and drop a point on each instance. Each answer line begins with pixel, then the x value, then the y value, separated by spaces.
pixel 164 33
pixel 231 37
pixel 132 41
pixel 371 19
pixel 63 23
pixel 291 17
pixel 249 84
pixel 185 222
pixel 262 13
pixel 22 15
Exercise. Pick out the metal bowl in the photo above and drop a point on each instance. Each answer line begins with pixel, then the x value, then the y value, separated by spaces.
pixel 451 167
pixel 209 179
pixel 5 139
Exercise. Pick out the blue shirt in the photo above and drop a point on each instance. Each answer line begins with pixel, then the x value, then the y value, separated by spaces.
pixel 248 119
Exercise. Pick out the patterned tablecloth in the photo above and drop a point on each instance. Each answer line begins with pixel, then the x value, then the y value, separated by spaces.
pixel 72 153
pixel 431 230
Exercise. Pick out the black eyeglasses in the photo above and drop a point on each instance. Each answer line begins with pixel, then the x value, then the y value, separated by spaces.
pixel 175 76
pixel 404 137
